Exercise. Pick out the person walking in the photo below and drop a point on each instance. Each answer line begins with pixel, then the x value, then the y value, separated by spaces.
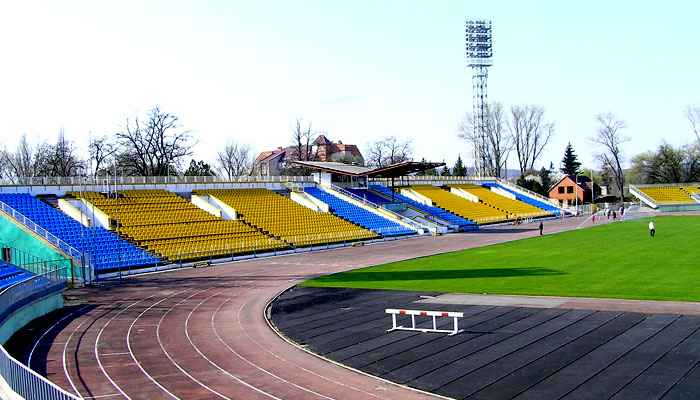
pixel 652 228
pixel 541 227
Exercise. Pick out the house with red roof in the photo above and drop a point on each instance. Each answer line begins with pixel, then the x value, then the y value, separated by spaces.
pixel 271 163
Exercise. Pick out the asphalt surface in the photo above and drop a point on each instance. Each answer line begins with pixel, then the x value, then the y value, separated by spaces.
pixel 504 352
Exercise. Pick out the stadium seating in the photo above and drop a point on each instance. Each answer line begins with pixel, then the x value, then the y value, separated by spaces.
pixel 527 199
pixel 359 215
pixel 668 194
pixel 174 228
pixel 287 220
pixel 368 196
pixel 106 250
pixel 474 211
pixel 462 223
pixel 514 207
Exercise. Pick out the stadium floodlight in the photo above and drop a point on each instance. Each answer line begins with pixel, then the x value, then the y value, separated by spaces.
pixel 479 53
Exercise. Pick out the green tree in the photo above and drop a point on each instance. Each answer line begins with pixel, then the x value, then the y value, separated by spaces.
pixel 427 172
pixel 445 171
pixel 570 164
pixel 546 182
pixel 459 168
pixel 199 168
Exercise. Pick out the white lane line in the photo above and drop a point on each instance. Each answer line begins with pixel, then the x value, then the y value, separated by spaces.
pixel 263 348
pixel 128 342
pixel 97 345
pixel 213 326
pixel 162 346
pixel 65 364
pixel 46 332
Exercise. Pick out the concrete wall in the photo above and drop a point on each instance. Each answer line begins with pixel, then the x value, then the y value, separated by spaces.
pixel 26 241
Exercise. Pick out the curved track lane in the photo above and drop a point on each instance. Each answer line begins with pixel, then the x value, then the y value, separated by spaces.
pixel 202 333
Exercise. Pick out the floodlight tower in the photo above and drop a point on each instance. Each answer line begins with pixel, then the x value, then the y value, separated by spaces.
pixel 479 58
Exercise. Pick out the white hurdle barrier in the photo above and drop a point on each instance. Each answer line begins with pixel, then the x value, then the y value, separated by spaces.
pixel 433 314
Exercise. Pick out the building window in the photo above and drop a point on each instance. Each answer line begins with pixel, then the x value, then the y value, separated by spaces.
pixel 569 189
pixel 561 189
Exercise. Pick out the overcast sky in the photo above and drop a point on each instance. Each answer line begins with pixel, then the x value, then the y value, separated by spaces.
pixel 360 70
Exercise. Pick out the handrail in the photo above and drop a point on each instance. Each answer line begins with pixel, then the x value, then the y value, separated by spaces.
pixel 21 379
pixel 131 180
pixel 376 206
pixel 529 192
pixel 75 254
pixel 642 195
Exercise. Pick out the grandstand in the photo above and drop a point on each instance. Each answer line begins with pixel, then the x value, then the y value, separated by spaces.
pixel 10 275
pixel 287 220
pixel 172 227
pixel 461 223
pixel 358 215
pixel 106 250
pixel 669 194
pixel 527 199
pixel 514 207
pixel 471 210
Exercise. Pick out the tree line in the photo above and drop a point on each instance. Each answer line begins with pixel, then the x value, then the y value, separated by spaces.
pixel 525 130
pixel 152 144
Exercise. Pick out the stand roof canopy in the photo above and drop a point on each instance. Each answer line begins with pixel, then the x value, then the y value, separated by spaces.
pixel 391 171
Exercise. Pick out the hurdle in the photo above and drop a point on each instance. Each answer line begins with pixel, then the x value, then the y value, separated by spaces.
pixel 433 314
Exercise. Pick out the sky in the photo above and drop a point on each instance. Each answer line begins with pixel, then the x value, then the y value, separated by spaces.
pixel 357 70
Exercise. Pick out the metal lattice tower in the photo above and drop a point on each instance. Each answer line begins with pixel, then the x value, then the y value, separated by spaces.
pixel 479 58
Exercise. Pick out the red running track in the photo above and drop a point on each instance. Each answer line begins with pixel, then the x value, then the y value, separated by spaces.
pixel 202 333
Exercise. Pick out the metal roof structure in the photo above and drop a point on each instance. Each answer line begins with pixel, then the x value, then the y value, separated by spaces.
pixel 391 171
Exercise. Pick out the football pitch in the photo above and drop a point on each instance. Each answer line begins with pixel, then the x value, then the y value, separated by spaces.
pixel 617 260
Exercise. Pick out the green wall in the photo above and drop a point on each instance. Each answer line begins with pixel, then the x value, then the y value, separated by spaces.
pixel 20 239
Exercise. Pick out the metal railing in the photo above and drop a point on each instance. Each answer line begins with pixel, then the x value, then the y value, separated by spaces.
pixel 22 380
pixel 80 261
pixel 642 196
pixel 27 383
pixel 135 180
pixel 368 203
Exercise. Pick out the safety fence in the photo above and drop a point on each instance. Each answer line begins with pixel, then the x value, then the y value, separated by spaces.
pixel 81 268
pixel 22 380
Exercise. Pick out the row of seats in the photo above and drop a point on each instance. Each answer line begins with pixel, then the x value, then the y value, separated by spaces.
pixel 96 241
pixel 10 275
pixel 174 228
pixel 285 219
pixel 527 199
pixel 359 215
pixel 668 194
pixel 368 195
pixel 471 210
pixel 514 207
pixel 462 223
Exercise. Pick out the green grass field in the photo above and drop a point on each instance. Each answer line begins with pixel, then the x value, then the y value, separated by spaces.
pixel 617 260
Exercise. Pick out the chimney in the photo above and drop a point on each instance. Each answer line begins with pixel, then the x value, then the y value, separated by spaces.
pixel 279 149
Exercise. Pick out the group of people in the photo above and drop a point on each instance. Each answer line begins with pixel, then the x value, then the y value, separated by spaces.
pixel 608 212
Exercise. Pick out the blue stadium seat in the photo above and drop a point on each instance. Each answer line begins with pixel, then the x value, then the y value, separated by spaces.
pixel 98 242
pixel 527 199
pixel 463 224
pixel 359 215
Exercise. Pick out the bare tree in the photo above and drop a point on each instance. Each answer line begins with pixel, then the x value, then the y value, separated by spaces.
pixel 490 149
pixel 101 151
pixel 26 160
pixel 387 151
pixel 301 141
pixel 155 147
pixel 235 159
pixel 530 133
pixel 693 115
pixel 609 136
pixel 63 160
